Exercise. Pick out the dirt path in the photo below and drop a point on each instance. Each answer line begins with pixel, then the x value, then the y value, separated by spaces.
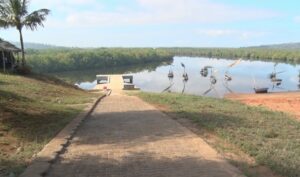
pixel 125 137
pixel 286 102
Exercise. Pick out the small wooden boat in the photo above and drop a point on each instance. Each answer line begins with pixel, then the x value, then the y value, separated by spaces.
pixel 228 78
pixel 261 90
pixel 170 75
pixel 185 76
pixel 204 72
pixel 183 65
pixel 213 80
pixel 235 63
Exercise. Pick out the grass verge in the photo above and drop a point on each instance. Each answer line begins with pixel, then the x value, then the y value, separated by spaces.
pixel 271 138
pixel 33 110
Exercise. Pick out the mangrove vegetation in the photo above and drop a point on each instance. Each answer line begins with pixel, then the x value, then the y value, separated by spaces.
pixel 72 59
pixel 58 60
pixel 251 53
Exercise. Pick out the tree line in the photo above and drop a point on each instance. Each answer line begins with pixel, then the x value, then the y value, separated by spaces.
pixel 277 55
pixel 71 59
pixel 57 60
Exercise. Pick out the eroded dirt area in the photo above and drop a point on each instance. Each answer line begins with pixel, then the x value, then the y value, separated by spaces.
pixel 285 102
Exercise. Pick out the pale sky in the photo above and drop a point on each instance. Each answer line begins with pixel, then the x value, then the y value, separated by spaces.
pixel 165 23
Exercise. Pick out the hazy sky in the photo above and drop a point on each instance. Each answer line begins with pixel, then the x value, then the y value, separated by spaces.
pixel 153 23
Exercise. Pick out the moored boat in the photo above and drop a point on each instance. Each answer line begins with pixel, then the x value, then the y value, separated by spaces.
pixel 261 90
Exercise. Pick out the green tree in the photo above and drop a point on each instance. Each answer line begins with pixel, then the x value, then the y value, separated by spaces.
pixel 14 13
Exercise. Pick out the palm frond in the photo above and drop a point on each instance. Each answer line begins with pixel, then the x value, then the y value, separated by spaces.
pixel 25 5
pixel 4 8
pixel 5 24
pixel 36 19
pixel 15 7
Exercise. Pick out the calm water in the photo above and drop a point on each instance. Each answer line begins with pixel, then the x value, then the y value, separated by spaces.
pixel 245 76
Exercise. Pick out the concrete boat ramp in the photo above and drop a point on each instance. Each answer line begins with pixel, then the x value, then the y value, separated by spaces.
pixel 115 82
pixel 126 137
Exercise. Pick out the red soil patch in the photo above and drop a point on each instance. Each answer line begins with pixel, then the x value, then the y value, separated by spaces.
pixel 285 102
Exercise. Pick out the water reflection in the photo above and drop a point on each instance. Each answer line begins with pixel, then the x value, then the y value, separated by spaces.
pixel 185 76
pixel 217 76
pixel 184 81
pixel 213 81
pixel 230 77
pixel 277 82
pixel 87 79
pixel 168 89
pixel 226 85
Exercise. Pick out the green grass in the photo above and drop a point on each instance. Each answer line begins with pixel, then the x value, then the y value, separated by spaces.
pixel 33 110
pixel 271 138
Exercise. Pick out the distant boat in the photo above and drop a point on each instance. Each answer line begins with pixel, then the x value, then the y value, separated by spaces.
pixel 274 74
pixel 170 74
pixel 204 72
pixel 235 63
pixel 213 80
pixel 185 76
pixel 276 80
pixel 261 90
pixel 227 77
pixel 182 65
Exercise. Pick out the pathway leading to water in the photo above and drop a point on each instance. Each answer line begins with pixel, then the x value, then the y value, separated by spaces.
pixel 126 137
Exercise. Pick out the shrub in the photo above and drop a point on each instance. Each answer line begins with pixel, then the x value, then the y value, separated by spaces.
pixel 23 70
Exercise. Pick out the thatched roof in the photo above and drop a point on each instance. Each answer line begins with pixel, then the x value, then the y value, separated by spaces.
pixel 8 47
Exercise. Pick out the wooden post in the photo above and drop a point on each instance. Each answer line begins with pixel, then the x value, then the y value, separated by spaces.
pixel 12 61
pixel 18 58
pixel 3 59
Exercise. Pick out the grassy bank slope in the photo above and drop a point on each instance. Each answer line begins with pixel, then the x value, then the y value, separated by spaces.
pixel 272 138
pixel 33 110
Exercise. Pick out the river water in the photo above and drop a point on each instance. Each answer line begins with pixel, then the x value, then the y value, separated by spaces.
pixel 243 76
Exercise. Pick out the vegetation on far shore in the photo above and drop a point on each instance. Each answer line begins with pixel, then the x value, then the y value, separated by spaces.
pixel 72 59
pixel 58 60
pixel 80 76
pixel 33 110
pixel 266 54
pixel 271 138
